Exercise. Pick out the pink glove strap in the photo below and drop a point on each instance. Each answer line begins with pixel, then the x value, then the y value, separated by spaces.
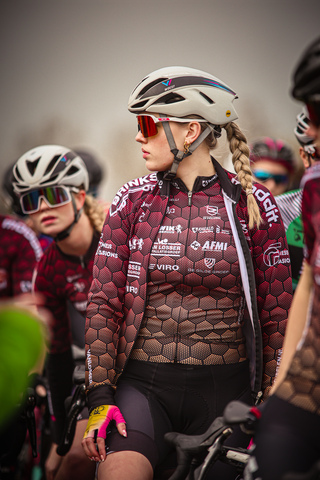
pixel 99 419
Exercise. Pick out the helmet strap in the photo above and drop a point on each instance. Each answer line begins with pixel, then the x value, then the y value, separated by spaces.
pixel 179 155
pixel 66 232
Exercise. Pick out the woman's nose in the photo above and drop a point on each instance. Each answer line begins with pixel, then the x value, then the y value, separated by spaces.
pixel 43 204
pixel 140 138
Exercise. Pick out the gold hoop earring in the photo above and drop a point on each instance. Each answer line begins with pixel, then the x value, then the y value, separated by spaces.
pixel 186 147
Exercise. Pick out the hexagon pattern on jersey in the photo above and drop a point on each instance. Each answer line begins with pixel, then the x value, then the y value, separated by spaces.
pixel 302 384
pixel 168 261
pixel 19 253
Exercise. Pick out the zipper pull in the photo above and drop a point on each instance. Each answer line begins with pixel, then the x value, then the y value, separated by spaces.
pixel 189 198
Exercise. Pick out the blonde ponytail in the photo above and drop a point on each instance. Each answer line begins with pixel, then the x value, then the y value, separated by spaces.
pixel 240 159
pixel 95 211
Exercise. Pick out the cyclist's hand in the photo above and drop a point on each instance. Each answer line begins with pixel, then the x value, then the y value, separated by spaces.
pixel 98 422
pixel 53 463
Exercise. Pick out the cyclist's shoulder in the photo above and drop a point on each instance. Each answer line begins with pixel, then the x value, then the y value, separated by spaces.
pixel 133 191
pixel 311 177
pixel 19 236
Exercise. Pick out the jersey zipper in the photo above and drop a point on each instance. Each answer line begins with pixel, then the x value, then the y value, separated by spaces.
pixel 177 334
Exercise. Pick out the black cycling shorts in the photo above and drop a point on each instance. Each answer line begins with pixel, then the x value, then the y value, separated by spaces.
pixel 158 398
pixel 286 440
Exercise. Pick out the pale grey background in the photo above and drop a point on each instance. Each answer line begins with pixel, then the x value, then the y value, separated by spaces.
pixel 68 67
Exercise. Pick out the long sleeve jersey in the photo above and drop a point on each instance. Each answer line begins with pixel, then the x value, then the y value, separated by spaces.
pixel 64 281
pixel 212 222
pixel 19 253
pixel 301 385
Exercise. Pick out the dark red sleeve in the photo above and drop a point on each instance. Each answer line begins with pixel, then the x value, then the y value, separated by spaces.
pixel 273 282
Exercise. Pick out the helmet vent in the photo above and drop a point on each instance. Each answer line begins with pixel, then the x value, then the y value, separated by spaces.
pixel 72 171
pixel 52 164
pixel 32 165
pixel 209 100
pixel 170 98
pixel 139 105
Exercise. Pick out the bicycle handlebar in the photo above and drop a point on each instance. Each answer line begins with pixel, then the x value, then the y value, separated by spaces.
pixel 193 449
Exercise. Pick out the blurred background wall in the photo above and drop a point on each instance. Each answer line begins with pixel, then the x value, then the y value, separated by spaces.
pixel 68 67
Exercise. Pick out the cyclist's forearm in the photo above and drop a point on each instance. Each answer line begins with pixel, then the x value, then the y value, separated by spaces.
pixel 296 323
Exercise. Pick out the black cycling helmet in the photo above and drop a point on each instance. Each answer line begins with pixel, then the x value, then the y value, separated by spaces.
pixel 277 151
pixel 95 171
pixel 306 77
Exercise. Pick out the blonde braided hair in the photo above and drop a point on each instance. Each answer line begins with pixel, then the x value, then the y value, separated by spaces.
pixel 240 159
pixel 95 211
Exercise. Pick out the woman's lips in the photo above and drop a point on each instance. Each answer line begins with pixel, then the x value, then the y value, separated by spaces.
pixel 48 220
pixel 145 153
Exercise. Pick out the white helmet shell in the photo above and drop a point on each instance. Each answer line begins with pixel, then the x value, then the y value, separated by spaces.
pixel 183 91
pixel 300 132
pixel 49 165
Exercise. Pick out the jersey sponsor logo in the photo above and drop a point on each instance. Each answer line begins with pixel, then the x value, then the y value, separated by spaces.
pixel 170 210
pixel 164 267
pixel 170 229
pixel 104 249
pixel 134 269
pixel 195 245
pixel 25 286
pixel 89 363
pixel 26 232
pixel 81 306
pixel 72 278
pixel 145 184
pixel 271 209
pixel 164 247
pixel 212 210
pixel 244 226
pixel 209 262
pixel 274 256
pixel 212 229
pixel 141 218
pixel 136 243
pixel 79 286
pixel 207 182
pixel 210 246
pixel 131 289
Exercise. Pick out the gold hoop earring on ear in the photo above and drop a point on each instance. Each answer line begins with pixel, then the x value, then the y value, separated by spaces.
pixel 186 147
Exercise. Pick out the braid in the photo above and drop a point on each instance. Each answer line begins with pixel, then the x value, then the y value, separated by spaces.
pixel 95 211
pixel 240 159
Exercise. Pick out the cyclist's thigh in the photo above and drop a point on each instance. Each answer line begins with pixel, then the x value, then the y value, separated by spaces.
pixel 286 440
pixel 146 424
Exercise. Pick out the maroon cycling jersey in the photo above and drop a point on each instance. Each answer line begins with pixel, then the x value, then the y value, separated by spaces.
pixel 301 386
pixel 64 281
pixel 19 253
pixel 194 285
pixel 188 260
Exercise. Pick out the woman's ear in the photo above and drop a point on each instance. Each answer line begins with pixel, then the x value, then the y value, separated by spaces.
pixel 194 130
pixel 80 198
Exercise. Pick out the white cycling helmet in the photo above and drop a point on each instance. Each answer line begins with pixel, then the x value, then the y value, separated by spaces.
pixel 183 91
pixel 300 130
pixel 49 165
